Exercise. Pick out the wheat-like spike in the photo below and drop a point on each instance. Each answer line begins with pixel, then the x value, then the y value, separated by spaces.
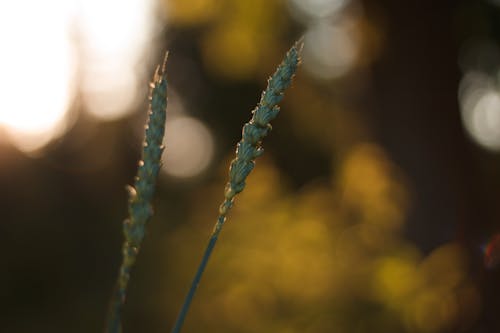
pixel 247 150
pixel 140 195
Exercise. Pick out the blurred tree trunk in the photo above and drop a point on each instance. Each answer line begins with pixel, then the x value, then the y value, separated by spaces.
pixel 416 114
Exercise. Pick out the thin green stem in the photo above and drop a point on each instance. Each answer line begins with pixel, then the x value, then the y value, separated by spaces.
pixel 196 280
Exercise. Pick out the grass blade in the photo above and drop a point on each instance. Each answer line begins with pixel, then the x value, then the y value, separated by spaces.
pixel 140 195
pixel 248 149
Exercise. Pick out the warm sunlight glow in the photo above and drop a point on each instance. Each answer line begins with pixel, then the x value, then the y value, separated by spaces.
pixel 114 36
pixel 39 59
pixel 313 9
pixel 189 147
pixel 329 50
pixel 480 106
pixel 36 69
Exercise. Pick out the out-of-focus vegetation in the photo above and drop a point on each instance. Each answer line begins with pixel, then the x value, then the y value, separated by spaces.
pixel 329 257
pixel 367 213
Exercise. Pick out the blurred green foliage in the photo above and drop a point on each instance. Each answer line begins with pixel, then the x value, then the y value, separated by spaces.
pixel 329 257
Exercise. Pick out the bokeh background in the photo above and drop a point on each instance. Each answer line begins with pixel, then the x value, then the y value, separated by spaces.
pixel 370 211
